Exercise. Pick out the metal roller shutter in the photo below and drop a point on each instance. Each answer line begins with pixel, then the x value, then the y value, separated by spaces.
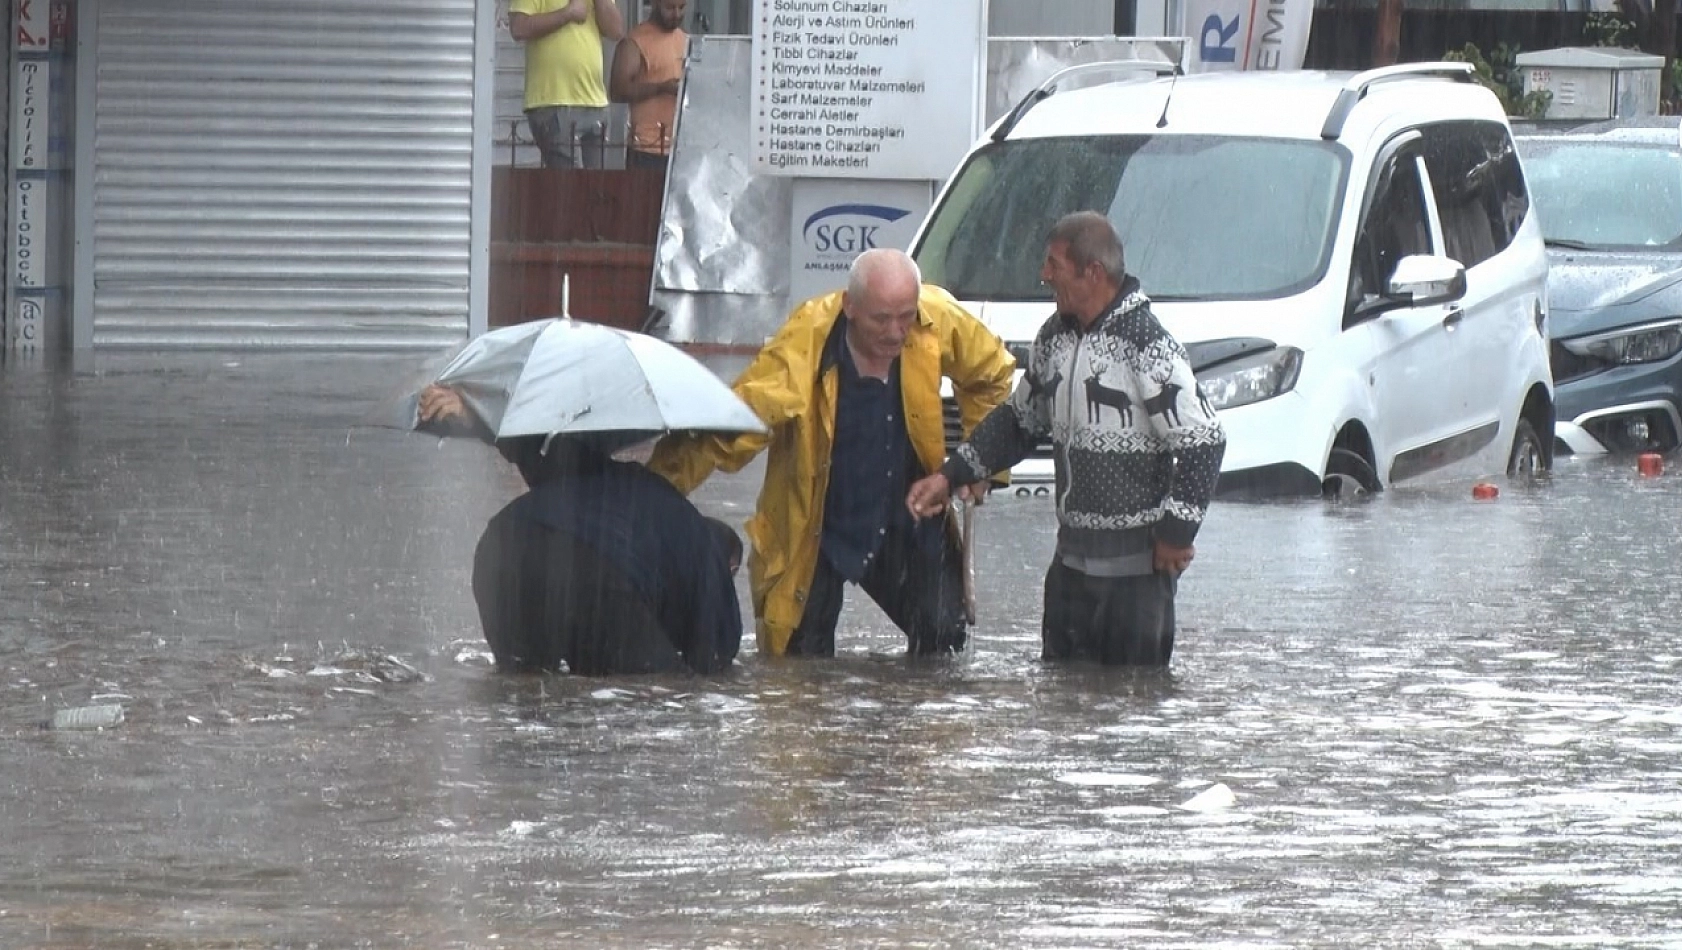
pixel 294 173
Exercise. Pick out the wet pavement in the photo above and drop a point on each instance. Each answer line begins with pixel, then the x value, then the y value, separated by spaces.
pixel 1446 723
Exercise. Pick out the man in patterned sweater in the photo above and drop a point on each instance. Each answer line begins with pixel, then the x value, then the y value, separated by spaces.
pixel 1138 454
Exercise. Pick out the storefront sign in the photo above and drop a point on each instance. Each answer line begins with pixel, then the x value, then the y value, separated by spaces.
pixel 865 88
pixel 29 199
pixel 26 317
pixel 34 24
pixel 834 222
pixel 37 23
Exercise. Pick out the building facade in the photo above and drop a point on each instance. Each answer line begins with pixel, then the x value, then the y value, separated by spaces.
pixel 317 173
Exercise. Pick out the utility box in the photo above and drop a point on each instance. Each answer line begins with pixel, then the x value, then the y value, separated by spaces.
pixel 1595 82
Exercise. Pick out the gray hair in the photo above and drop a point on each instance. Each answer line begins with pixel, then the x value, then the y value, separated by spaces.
pixel 878 262
pixel 1091 239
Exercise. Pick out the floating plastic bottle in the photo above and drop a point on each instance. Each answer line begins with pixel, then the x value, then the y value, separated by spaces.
pixel 88 717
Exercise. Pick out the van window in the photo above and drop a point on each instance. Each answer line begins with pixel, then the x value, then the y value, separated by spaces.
pixel 1479 185
pixel 1201 217
pixel 1396 226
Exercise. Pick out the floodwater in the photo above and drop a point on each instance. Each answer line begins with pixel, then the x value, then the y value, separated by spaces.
pixel 1445 723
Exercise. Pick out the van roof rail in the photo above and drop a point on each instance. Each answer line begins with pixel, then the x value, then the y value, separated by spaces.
pixel 1357 87
pixel 1047 89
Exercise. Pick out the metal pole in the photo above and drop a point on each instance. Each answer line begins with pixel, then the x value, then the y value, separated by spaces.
pixel 87 17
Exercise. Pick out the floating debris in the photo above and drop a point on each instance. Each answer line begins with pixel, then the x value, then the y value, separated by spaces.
pixel 357 665
pixel 1214 798
pixel 377 667
pixel 88 717
pixel 521 829
pixel 272 717
pixel 390 669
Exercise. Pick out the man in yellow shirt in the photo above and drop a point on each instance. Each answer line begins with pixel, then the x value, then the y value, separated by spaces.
pixel 566 100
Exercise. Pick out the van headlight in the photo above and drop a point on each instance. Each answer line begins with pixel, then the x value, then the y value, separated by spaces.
pixel 1649 343
pixel 1253 378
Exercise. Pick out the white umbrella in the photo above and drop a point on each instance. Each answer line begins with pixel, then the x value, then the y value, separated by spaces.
pixel 566 376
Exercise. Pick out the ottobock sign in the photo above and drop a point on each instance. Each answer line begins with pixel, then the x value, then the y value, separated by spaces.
pixel 865 88
pixel 1247 34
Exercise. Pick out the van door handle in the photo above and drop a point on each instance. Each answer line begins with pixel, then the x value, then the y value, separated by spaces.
pixel 1452 321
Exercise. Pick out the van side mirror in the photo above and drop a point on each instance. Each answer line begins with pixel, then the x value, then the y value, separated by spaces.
pixel 1421 280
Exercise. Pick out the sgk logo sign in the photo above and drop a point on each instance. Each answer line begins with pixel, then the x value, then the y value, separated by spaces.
pixel 848 228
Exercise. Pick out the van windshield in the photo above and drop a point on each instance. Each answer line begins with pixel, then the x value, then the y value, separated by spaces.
pixel 1201 217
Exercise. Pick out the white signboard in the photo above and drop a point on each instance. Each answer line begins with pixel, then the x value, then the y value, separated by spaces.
pixel 1244 34
pixel 29 185
pixel 834 221
pixel 29 237
pixel 865 88
pixel 31 93
pixel 34 26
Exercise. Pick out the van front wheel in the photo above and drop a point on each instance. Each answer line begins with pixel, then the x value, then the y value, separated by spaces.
pixel 1526 460
pixel 1348 476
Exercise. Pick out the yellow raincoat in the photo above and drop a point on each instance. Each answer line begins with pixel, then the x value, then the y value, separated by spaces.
pixel 783 388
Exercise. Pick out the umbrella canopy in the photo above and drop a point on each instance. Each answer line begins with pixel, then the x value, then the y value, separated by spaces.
pixel 570 377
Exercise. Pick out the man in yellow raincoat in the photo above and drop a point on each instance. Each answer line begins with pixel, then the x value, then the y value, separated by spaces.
pixel 850 391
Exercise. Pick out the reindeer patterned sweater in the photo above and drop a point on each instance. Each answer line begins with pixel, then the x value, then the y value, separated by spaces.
pixel 1138 448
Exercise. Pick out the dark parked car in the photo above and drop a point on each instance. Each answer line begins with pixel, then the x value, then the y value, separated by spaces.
pixel 1609 199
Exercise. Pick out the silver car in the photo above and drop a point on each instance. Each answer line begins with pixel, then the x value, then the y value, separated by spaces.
pixel 1609 197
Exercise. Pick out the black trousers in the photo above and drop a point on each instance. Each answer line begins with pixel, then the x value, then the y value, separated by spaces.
pixel 1116 621
pixel 546 599
pixel 919 588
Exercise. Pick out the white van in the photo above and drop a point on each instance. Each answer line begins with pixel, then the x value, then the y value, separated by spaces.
pixel 1350 260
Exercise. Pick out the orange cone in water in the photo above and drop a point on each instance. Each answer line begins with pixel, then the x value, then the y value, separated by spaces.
pixel 1650 464
pixel 1484 491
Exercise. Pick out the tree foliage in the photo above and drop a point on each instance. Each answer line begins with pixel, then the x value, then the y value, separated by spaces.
pixel 1498 71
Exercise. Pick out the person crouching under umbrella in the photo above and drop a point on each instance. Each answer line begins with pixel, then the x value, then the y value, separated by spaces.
pixel 602 567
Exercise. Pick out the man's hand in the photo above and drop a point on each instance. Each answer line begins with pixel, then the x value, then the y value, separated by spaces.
pixel 526 27
pixel 975 494
pixel 928 496
pixel 1168 559
pixel 438 403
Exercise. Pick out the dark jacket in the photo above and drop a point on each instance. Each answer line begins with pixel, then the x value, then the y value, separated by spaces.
pixel 650 534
